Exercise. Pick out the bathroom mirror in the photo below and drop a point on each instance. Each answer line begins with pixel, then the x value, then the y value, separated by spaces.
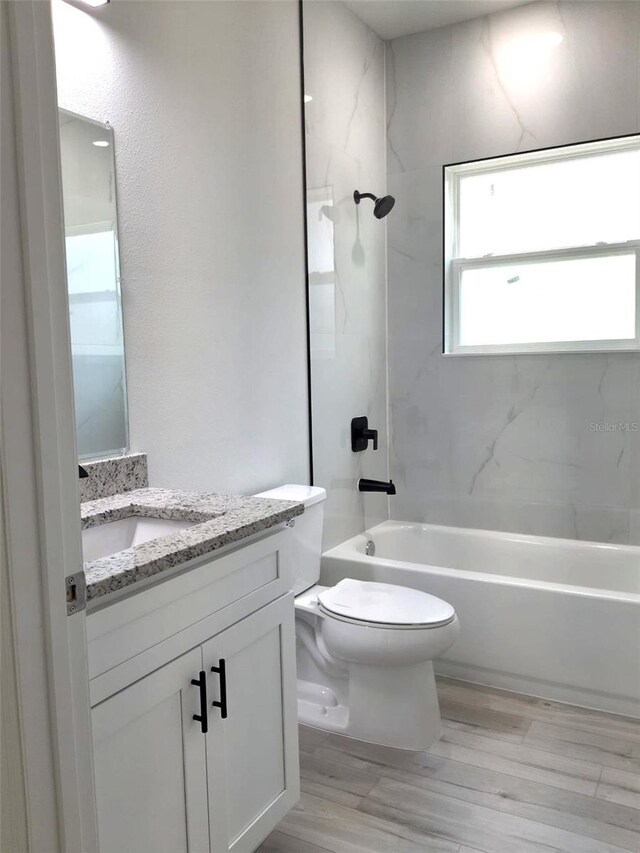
pixel 93 279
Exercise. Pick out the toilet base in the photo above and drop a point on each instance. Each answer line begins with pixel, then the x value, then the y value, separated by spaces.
pixel 391 706
pixel 319 707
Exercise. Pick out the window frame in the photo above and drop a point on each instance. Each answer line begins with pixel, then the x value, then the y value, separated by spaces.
pixel 454 266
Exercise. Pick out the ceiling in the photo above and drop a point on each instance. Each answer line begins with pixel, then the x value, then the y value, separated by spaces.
pixel 394 18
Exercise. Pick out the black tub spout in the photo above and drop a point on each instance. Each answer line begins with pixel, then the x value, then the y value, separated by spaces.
pixel 380 486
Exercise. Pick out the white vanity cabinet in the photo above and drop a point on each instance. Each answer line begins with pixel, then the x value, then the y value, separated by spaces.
pixel 150 764
pixel 167 782
pixel 252 755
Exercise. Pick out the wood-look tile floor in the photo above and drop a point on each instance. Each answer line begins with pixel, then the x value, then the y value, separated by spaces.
pixel 512 774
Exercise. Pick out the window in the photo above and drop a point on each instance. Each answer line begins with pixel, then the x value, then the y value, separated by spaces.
pixel 542 251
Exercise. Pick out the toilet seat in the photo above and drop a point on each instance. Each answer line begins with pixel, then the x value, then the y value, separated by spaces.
pixel 384 605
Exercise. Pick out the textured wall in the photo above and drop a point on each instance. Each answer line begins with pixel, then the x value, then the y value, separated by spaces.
pixel 204 101
pixel 504 442
pixel 344 75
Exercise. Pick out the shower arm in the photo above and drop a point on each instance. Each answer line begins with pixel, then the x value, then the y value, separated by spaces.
pixel 357 196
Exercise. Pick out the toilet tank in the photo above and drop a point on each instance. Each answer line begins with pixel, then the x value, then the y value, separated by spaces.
pixel 306 534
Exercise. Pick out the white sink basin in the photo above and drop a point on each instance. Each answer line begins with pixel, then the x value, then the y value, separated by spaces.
pixel 114 536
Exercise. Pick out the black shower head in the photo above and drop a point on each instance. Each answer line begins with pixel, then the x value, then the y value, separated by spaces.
pixel 381 206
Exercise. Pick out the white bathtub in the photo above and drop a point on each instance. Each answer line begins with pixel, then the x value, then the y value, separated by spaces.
pixel 554 618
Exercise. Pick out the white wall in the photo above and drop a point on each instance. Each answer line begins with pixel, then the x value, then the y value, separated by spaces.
pixel 345 124
pixel 504 442
pixel 204 100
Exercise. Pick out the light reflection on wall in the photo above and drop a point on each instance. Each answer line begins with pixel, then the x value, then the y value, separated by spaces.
pixel 322 301
pixel 524 62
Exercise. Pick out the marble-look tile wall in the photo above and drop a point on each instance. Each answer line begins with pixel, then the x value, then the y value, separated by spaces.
pixel 345 142
pixel 505 442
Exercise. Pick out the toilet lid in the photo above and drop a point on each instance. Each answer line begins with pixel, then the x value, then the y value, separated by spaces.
pixel 385 604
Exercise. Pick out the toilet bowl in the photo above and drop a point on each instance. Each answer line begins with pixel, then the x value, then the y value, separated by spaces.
pixel 371 647
pixel 364 649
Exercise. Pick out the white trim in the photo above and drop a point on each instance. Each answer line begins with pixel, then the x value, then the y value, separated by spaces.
pixel 601 250
pixel 547 155
pixel 451 193
pixel 454 265
pixel 544 348
pixel 53 453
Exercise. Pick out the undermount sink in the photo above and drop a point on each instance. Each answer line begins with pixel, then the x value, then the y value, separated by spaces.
pixel 106 539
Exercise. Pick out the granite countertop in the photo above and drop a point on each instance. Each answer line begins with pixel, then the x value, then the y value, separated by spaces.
pixel 221 520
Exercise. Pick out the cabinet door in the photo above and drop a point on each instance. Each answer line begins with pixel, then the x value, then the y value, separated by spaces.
pixel 252 755
pixel 150 766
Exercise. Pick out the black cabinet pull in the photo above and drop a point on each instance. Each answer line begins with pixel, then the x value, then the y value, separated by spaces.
pixel 202 718
pixel 221 670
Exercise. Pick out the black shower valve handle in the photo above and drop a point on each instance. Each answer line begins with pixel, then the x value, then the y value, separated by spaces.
pixel 361 435
pixel 371 435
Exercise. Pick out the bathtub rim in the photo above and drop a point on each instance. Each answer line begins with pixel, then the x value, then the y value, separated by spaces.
pixel 348 550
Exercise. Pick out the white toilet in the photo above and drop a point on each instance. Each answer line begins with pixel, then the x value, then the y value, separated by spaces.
pixel 364 649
